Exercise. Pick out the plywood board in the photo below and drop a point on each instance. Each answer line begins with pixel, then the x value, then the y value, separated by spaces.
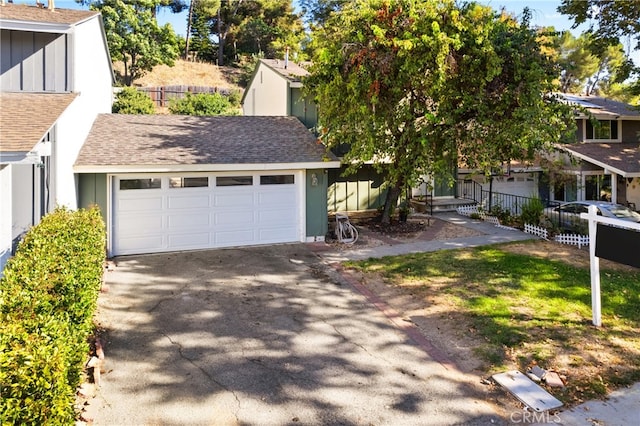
pixel 527 391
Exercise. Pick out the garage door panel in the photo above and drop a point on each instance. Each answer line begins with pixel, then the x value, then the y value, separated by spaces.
pixel 189 240
pixel 142 204
pixel 272 198
pixel 196 220
pixel 182 218
pixel 227 238
pixel 233 200
pixel 227 218
pixel 141 244
pixel 277 235
pixel 268 217
pixel 188 202
pixel 138 224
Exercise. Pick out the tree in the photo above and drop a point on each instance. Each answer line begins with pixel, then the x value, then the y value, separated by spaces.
pixel 609 20
pixel 203 104
pixel 415 86
pixel 134 37
pixel 205 7
pixel 130 101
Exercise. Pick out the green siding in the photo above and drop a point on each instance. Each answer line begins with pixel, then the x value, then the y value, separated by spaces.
pixel 362 191
pixel 316 205
pixel 93 190
pixel 303 109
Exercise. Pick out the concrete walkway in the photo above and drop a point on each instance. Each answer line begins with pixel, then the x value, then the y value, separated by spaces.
pixel 490 235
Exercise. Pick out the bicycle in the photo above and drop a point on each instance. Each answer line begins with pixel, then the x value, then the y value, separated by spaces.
pixel 345 231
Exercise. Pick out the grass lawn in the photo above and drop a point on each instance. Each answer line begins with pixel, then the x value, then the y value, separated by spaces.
pixel 524 309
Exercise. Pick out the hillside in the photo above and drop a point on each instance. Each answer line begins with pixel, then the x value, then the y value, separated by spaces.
pixel 189 73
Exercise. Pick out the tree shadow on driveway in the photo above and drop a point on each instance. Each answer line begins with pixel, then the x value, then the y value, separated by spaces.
pixel 262 336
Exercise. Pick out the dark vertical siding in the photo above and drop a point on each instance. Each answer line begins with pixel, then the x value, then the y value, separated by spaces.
pixel 34 62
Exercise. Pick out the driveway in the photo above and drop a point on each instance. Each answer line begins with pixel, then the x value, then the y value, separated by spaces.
pixel 263 336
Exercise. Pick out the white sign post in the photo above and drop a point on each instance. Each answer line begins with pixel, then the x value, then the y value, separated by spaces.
pixel 594 219
pixel 595 267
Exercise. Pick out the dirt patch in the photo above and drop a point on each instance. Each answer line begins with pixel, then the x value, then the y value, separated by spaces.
pixel 571 255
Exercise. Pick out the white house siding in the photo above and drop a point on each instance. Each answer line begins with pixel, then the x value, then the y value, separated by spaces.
pixel 267 94
pixel 5 215
pixel 92 79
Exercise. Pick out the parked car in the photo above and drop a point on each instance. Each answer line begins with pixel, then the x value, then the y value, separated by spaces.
pixel 567 215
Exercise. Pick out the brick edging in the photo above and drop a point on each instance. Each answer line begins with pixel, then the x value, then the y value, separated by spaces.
pixel 394 317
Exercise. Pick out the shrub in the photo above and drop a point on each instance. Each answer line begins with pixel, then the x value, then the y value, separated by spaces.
pixel 48 297
pixel 532 211
pixel 203 104
pixel 130 101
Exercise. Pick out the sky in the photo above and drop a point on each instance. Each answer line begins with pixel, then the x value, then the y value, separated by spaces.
pixel 544 13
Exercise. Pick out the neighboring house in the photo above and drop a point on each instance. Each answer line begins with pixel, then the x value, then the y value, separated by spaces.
pixel 275 89
pixel 173 182
pixel 607 150
pixel 55 78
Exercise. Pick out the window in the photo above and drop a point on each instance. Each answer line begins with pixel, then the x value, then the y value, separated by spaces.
pixel 603 130
pixel 234 180
pixel 188 182
pixel 276 180
pixel 151 183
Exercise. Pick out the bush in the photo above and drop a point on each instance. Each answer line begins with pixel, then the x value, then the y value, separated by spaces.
pixel 130 101
pixel 203 104
pixel 48 297
pixel 532 211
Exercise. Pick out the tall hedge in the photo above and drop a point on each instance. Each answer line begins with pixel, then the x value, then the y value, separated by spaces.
pixel 48 297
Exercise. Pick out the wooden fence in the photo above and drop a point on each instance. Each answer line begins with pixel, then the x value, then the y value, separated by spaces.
pixel 161 95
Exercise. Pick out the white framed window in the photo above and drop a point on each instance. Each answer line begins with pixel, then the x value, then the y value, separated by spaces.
pixel 602 130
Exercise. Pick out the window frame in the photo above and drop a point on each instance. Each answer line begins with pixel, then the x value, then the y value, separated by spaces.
pixel 590 131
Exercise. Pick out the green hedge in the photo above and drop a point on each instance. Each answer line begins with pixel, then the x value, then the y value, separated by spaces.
pixel 48 297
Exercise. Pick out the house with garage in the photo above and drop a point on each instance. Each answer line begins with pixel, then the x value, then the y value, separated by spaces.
pixel 167 183
pixel 55 78
pixel 276 89
pixel 604 161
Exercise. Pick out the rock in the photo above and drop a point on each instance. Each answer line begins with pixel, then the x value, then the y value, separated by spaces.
pixel 553 379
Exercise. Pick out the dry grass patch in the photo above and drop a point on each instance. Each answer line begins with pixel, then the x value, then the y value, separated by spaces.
pixel 188 73
pixel 511 306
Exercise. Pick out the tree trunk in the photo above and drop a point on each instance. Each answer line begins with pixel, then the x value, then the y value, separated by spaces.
pixel 189 19
pixel 220 40
pixel 391 200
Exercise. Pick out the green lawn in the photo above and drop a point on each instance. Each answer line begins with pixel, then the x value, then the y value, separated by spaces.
pixel 527 309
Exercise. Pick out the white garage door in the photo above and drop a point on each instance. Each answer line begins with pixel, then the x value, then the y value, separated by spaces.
pixel 155 213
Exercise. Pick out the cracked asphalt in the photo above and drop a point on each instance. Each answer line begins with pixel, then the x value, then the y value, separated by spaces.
pixel 264 336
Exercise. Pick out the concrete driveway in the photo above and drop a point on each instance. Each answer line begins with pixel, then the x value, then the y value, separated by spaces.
pixel 263 336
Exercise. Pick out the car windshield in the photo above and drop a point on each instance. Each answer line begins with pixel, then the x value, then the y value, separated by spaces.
pixel 623 212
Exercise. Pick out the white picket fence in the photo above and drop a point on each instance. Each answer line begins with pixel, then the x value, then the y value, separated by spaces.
pixel 536 230
pixel 573 239
pixel 570 239
pixel 469 210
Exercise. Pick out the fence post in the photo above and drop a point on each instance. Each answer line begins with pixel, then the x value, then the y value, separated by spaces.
pixel 595 268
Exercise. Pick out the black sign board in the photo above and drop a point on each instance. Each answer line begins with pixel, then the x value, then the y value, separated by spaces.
pixel 618 244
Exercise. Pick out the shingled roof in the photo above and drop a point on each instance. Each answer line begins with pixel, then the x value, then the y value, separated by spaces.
pixel 173 140
pixel 288 70
pixel 622 158
pixel 25 13
pixel 27 117
pixel 603 106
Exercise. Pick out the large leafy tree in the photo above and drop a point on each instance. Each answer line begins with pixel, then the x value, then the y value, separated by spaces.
pixel 413 86
pixel 241 27
pixel 609 22
pixel 134 37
